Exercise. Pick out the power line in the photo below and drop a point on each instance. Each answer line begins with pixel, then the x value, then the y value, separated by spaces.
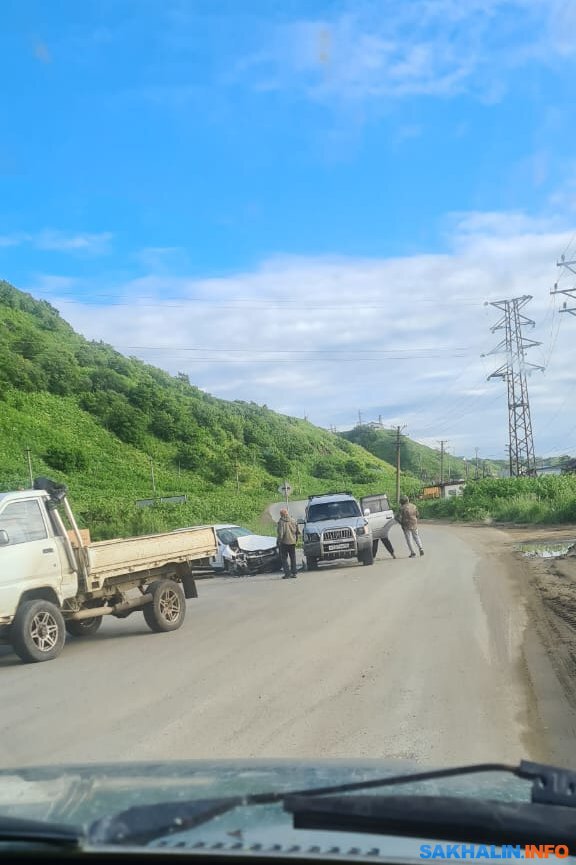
pixel 337 350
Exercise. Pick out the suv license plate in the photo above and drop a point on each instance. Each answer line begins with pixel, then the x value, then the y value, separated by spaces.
pixel 343 546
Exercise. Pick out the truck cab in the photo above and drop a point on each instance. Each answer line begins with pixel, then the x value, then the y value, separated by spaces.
pixel 34 554
pixel 336 528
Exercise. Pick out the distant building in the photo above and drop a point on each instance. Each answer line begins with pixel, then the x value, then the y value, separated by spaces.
pixel 445 490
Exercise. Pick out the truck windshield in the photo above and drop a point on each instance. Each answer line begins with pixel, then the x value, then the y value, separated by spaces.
pixel 333 511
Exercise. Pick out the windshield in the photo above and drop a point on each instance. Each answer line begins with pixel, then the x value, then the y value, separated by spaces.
pixel 230 534
pixel 332 511
pixel 287 398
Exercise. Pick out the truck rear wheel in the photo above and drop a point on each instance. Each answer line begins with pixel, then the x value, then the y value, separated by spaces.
pixel 168 607
pixel 311 563
pixel 83 627
pixel 38 632
pixel 374 548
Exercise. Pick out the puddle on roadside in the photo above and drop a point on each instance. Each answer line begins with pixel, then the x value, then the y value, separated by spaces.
pixel 545 550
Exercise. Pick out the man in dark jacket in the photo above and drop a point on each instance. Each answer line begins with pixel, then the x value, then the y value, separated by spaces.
pixel 408 519
pixel 288 534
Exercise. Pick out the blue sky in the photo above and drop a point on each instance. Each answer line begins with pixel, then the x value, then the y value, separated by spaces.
pixel 337 180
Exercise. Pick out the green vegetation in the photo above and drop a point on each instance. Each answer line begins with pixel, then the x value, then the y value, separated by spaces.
pixel 415 458
pixel 549 499
pixel 104 423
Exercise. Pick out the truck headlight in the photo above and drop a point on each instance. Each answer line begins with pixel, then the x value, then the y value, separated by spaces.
pixel 310 536
pixel 361 530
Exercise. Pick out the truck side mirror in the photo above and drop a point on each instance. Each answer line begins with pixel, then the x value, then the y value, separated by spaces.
pixel 4 538
pixel 366 512
pixel 301 522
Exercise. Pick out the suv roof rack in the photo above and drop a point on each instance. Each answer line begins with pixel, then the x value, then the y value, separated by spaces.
pixel 331 493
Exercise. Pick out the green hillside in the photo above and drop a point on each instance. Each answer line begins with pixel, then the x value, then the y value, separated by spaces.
pixel 113 427
pixel 419 460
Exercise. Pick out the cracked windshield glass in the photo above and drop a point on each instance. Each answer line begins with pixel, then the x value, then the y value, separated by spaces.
pixel 287 426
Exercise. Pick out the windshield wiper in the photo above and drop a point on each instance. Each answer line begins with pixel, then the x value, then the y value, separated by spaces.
pixel 39 832
pixel 550 787
pixel 443 818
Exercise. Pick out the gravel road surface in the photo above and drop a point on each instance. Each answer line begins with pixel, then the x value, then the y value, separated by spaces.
pixel 418 659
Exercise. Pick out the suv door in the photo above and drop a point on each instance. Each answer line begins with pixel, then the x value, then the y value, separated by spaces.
pixel 381 516
pixel 30 558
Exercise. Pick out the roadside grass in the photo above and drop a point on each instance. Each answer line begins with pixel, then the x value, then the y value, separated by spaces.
pixel 547 500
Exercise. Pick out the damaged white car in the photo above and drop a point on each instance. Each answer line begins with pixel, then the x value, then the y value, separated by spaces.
pixel 242 553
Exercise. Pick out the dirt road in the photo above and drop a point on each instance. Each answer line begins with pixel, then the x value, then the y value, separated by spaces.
pixel 422 659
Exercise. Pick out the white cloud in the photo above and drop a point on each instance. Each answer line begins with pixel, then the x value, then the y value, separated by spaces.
pixel 378 49
pixel 15 239
pixel 397 337
pixel 60 241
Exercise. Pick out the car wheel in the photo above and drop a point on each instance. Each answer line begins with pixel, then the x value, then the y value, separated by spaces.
pixel 38 632
pixel 368 557
pixel 168 607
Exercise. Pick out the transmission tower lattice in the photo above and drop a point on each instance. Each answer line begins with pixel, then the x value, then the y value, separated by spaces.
pixel 513 371
pixel 569 293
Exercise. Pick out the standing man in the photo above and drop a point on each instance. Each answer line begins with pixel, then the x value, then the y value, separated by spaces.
pixel 288 534
pixel 408 519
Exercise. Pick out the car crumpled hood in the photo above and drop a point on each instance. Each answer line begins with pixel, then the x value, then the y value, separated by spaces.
pixel 79 795
pixel 256 543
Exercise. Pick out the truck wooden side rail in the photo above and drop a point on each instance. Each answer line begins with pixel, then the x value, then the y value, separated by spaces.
pixel 50 584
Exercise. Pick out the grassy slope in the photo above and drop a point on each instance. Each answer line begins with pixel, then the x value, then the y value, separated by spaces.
pixel 96 419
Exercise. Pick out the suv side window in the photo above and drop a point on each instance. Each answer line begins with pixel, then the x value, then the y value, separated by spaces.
pixel 23 521
pixel 377 505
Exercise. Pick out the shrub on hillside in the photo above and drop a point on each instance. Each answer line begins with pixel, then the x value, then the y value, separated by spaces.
pixel 65 459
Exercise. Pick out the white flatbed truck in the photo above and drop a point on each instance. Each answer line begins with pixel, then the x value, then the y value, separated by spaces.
pixel 53 582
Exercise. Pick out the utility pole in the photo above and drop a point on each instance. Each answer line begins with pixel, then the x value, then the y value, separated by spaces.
pixel 237 479
pixel 30 472
pixel 513 372
pixel 442 443
pixel 569 293
pixel 359 418
pixel 153 477
pixel 476 472
pixel 466 468
pixel 398 450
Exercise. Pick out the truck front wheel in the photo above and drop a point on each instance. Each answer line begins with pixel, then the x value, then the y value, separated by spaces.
pixel 168 607
pixel 83 627
pixel 311 563
pixel 38 632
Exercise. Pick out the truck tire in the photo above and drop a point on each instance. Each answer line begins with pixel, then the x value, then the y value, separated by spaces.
pixel 374 548
pixel 83 627
pixel 168 607
pixel 38 632
pixel 311 563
